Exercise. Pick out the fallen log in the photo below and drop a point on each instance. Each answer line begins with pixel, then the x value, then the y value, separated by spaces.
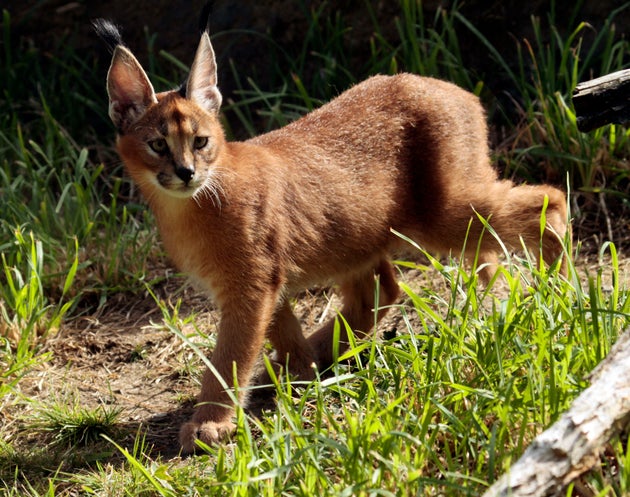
pixel 603 101
pixel 572 445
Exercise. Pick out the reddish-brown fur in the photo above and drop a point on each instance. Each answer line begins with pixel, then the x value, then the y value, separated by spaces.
pixel 312 203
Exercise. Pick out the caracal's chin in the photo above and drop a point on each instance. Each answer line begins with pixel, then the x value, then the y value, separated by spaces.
pixel 182 191
pixel 173 187
pixel 202 187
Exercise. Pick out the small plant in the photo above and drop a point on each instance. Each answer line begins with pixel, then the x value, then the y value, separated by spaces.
pixel 69 424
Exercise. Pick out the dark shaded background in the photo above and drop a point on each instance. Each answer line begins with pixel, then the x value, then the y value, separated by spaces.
pixel 175 25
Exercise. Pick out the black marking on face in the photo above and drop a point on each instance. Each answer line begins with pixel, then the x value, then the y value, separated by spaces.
pixel 177 117
pixel 163 127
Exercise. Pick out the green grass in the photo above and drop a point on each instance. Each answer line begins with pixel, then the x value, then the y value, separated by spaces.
pixel 443 407
pixel 547 139
pixel 69 424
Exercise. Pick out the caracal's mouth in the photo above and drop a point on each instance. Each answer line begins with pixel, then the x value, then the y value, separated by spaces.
pixel 176 187
pixel 200 187
pixel 197 189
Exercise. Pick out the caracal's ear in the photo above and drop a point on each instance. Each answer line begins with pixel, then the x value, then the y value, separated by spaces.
pixel 129 89
pixel 202 81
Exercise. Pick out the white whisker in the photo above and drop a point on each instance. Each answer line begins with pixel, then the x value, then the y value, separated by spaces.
pixel 211 189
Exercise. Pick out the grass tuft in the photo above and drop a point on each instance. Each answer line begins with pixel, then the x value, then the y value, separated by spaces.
pixel 70 424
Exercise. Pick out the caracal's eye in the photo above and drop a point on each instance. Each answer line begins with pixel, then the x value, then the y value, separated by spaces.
pixel 158 145
pixel 200 142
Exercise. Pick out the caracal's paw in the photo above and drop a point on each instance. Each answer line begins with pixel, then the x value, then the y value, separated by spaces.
pixel 209 432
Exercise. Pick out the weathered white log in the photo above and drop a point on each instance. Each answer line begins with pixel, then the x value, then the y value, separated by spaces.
pixel 603 101
pixel 572 445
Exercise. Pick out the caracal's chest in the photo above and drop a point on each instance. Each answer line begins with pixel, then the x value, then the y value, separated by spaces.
pixel 192 242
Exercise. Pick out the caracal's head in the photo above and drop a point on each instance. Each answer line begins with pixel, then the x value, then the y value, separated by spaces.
pixel 170 142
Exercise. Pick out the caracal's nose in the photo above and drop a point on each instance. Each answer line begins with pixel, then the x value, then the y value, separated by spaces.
pixel 185 173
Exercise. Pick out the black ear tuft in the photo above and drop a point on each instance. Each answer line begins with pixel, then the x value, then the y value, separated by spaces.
pixel 108 32
pixel 204 18
pixel 182 90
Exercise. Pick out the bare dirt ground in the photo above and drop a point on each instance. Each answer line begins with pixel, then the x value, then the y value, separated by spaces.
pixel 124 357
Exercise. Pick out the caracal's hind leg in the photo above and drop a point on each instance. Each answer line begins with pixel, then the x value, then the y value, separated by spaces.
pixel 358 295
pixel 487 263
pixel 291 347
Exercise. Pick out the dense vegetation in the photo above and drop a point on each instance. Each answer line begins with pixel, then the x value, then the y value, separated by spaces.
pixel 443 407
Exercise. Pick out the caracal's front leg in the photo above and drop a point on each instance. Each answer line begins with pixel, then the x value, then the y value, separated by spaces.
pixel 242 328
